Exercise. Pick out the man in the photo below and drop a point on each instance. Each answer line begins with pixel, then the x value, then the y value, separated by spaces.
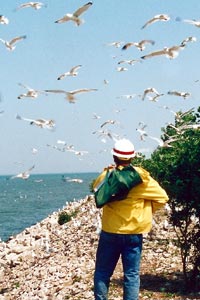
pixel 124 222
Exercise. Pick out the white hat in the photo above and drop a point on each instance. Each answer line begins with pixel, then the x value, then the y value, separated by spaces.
pixel 124 149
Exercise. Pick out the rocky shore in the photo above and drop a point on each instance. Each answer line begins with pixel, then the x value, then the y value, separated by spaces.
pixel 50 261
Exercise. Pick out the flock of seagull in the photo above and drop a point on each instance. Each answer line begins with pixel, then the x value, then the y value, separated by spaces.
pixel 149 93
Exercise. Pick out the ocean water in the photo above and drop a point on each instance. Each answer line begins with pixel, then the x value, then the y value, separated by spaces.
pixel 23 203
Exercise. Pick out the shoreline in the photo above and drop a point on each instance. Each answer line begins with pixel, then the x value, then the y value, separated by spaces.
pixel 49 261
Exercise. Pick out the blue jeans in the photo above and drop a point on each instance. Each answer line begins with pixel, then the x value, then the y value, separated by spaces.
pixel 110 247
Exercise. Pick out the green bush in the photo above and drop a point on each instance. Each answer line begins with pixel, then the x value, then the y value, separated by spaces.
pixel 65 217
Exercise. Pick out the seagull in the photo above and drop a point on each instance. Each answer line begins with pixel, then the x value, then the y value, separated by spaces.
pixel 121 69
pixel 149 90
pixel 96 117
pixel 30 93
pixel 42 123
pixel 106 133
pixel 78 152
pixel 171 52
pixel 162 17
pixel 24 175
pixel 141 131
pixel 190 39
pixel 115 44
pixel 72 72
pixel 10 44
pixel 196 23
pixel 128 61
pixel 155 98
pixel 3 20
pixel 35 5
pixel 180 94
pixel 75 16
pixel 108 122
pixel 164 144
pixel 129 96
pixel 78 180
pixel 70 95
pixel 140 45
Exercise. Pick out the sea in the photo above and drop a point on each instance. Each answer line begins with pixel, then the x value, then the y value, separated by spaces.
pixel 24 203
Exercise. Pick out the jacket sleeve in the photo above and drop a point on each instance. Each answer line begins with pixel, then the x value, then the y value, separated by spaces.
pixel 152 191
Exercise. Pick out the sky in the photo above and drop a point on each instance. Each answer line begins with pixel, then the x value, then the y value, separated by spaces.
pixel 51 49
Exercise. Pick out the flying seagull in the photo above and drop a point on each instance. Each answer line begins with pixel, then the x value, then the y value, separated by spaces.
pixel 171 52
pixel 128 61
pixel 196 23
pixel 149 90
pixel 116 44
pixel 189 39
pixel 35 5
pixel 164 144
pixel 42 123
pixel 10 44
pixel 3 20
pixel 75 16
pixel 108 122
pixel 179 94
pixel 72 72
pixel 32 93
pixel 70 96
pixel 162 17
pixel 140 45
pixel 24 175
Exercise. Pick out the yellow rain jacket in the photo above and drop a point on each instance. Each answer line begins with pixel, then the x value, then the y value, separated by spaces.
pixel 133 215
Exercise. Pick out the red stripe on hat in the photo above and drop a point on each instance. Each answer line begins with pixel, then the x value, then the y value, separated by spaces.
pixel 124 153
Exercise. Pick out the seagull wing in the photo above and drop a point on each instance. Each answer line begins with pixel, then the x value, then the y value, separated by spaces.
pixel 154 19
pixel 75 68
pixel 82 9
pixel 25 86
pixel 155 53
pixel 3 41
pixel 17 39
pixel 128 45
pixel 56 91
pixel 82 91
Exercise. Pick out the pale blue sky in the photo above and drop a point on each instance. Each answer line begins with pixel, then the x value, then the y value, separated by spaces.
pixel 51 49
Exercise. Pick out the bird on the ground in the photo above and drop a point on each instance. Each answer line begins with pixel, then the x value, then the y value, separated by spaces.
pixel 31 93
pixel 72 72
pixel 42 123
pixel 75 16
pixel 156 18
pixel 4 20
pixel 24 175
pixel 169 52
pixel 140 45
pixel 10 45
pixel 179 94
pixel 35 5
pixel 70 95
